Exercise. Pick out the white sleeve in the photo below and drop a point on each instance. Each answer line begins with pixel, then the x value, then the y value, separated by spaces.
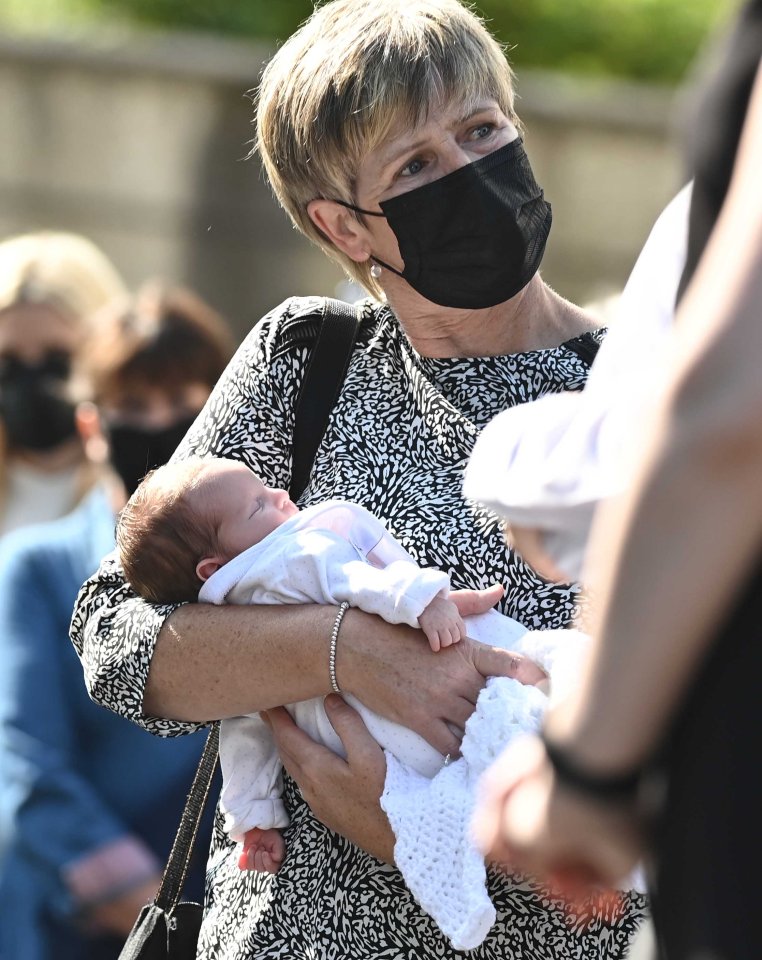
pixel 399 593
pixel 319 566
pixel 251 777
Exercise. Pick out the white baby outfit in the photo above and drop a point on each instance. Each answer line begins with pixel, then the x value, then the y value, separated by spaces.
pixel 338 551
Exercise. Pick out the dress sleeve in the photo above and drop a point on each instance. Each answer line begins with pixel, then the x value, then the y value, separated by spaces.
pixel 248 417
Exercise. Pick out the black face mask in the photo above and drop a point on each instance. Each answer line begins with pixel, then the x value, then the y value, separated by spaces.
pixel 473 238
pixel 33 406
pixel 135 451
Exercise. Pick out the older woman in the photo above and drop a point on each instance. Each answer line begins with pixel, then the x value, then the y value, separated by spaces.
pixel 388 131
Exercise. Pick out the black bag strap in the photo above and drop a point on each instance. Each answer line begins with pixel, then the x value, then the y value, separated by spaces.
pixel 585 346
pixel 175 872
pixel 322 382
pixel 321 386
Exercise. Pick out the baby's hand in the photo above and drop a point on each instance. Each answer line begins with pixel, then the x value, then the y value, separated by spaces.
pixel 263 850
pixel 442 623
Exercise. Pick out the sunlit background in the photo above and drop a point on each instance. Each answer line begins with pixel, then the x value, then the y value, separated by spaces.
pixel 129 121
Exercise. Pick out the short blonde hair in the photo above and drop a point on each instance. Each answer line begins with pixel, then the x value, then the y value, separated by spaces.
pixel 161 535
pixel 63 271
pixel 354 71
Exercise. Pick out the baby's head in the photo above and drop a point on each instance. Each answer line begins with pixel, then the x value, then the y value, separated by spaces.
pixel 187 519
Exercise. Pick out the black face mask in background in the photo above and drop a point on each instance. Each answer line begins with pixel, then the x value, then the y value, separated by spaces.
pixel 135 450
pixel 475 237
pixel 33 407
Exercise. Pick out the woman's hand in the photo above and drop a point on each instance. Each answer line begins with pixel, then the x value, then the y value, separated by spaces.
pixel 526 820
pixel 392 670
pixel 343 794
pixel 118 915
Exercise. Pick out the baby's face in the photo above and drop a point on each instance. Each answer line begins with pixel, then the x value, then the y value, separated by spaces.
pixel 247 510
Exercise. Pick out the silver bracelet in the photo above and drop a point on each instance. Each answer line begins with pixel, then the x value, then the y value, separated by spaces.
pixel 332 650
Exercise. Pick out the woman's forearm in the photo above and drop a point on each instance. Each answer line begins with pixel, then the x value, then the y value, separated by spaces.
pixel 661 606
pixel 213 662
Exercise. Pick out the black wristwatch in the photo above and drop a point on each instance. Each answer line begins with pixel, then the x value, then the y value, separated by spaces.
pixel 619 788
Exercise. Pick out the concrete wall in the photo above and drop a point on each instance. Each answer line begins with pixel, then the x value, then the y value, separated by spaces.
pixel 141 144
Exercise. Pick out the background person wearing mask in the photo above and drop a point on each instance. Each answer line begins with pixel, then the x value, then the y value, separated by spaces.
pixel 89 804
pixel 50 285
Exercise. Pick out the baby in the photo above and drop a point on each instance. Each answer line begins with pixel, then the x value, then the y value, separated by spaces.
pixel 210 530
pixel 190 519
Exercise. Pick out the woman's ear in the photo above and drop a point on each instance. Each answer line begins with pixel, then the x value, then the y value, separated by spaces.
pixel 206 567
pixel 88 423
pixel 341 227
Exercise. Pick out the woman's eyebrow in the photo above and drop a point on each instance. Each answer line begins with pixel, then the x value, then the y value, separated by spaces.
pixel 395 153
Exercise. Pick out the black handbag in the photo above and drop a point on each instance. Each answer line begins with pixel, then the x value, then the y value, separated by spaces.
pixel 168 928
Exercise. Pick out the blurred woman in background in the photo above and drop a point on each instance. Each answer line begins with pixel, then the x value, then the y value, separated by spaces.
pixel 89 804
pixel 50 285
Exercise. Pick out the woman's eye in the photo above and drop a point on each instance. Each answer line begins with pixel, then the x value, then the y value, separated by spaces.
pixel 415 166
pixel 482 131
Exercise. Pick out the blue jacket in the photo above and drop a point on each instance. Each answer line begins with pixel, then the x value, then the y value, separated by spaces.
pixel 72 775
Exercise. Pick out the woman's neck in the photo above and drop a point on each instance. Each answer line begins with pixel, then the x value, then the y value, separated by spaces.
pixel 537 318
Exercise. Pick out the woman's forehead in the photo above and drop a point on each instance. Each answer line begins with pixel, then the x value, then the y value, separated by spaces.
pixel 440 116
pixel 404 137
pixel 31 326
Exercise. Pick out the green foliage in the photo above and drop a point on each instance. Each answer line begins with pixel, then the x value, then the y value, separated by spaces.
pixel 652 40
pixel 252 18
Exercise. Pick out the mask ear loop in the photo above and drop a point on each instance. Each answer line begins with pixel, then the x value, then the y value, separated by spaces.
pixel 368 213
pixel 377 262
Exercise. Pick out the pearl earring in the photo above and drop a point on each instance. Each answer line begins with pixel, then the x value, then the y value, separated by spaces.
pixel 375 271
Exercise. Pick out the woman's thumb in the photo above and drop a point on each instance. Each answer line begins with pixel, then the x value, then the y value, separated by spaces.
pixel 348 724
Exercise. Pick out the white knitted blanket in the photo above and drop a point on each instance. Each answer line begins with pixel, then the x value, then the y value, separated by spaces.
pixel 431 819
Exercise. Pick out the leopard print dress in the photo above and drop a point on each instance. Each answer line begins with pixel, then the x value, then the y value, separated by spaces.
pixel 397 442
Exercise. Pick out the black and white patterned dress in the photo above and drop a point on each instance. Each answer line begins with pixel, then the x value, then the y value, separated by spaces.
pixel 397 443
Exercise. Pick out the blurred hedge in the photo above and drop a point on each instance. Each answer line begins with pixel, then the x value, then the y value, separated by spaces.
pixel 652 40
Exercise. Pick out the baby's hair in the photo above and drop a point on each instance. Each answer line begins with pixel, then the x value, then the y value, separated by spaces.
pixel 161 536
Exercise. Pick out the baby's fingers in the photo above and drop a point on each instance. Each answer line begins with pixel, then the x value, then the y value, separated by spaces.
pixel 450 635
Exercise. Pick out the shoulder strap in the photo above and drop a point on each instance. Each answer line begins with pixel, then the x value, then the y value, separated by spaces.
pixel 322 382
pixel 173 878
pixel 585 346
pixel 321 385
